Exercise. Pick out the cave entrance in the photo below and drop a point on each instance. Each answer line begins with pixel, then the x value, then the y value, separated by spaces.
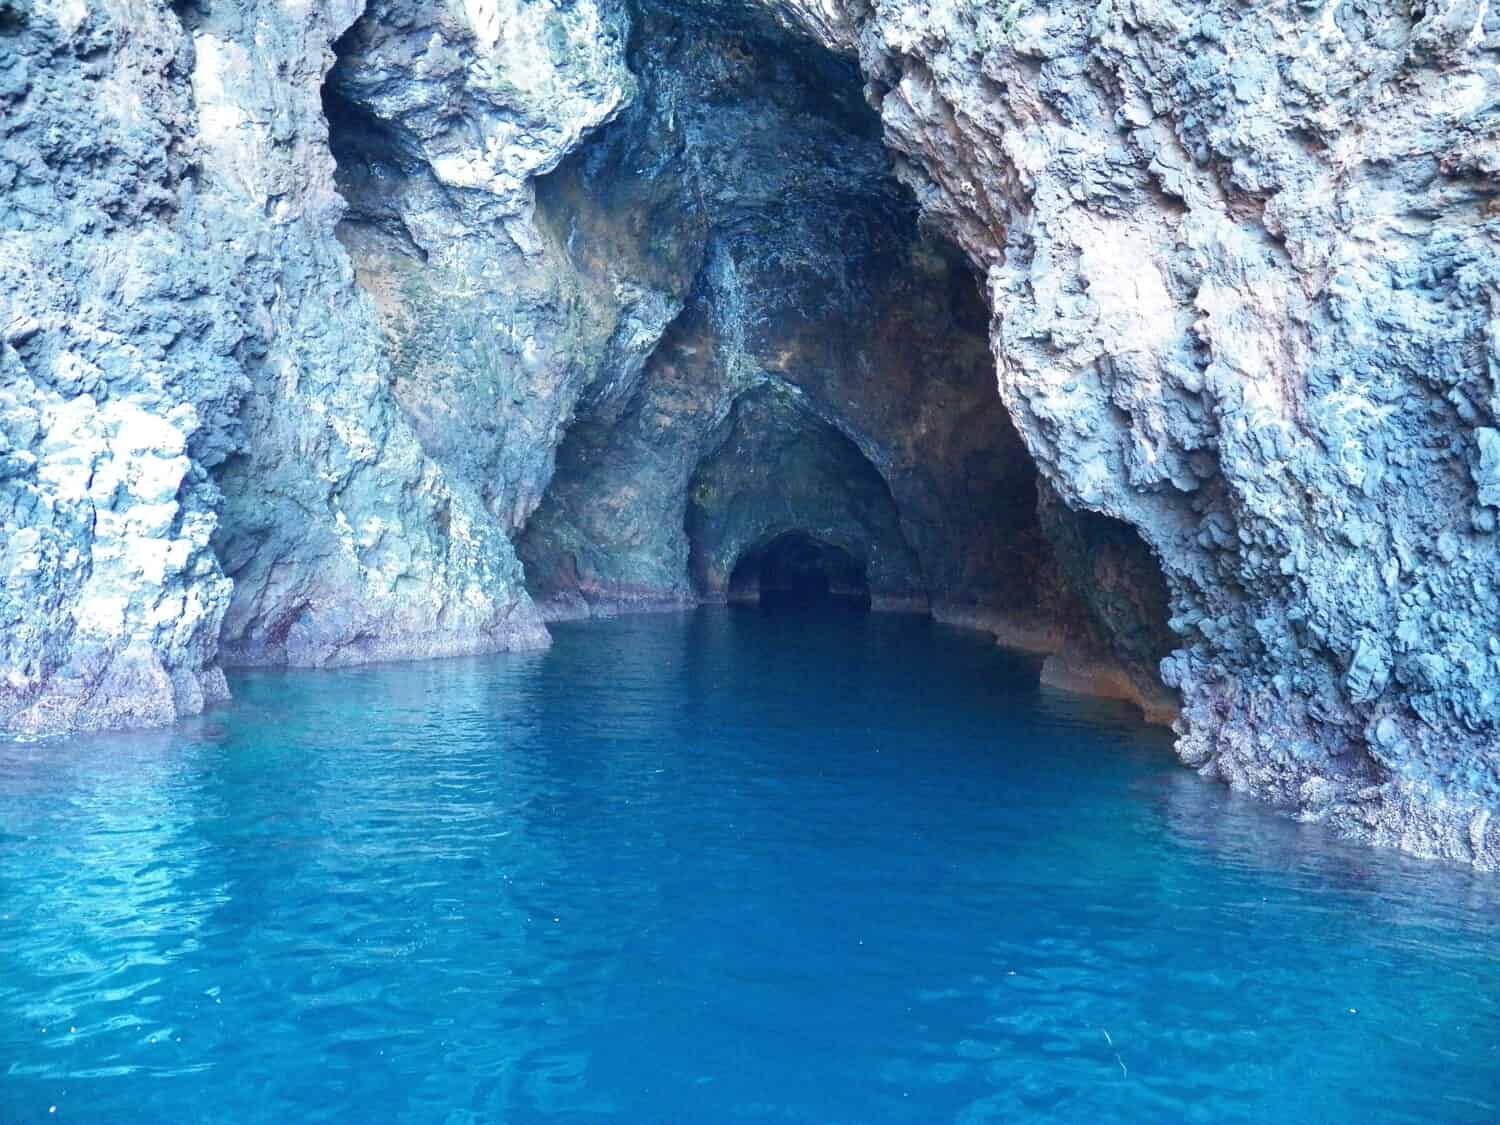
pixel 798 570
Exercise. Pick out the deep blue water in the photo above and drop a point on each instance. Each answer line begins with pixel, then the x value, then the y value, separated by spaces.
pixel 723 866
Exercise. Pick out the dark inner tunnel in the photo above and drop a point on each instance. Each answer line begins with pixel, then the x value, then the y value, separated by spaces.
pixel 745 345
pixel 798 570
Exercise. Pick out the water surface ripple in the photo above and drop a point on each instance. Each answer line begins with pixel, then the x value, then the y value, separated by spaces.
pixel 722 866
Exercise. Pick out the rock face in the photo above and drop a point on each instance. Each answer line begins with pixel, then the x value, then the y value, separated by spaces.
pixel 440 123
pixel 1242 263
pixel 346 541
pixel 316 320
pixel 194 389
pixel 120 341
pixel 749 178
pixel 1125 634
pixel 780 470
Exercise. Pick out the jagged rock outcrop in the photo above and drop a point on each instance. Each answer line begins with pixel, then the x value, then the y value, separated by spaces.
pixel 1243 265
pixel 344 540
pixel 441 125
pixel 194 389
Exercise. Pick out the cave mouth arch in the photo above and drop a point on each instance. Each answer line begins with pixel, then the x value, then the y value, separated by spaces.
pixel 797 569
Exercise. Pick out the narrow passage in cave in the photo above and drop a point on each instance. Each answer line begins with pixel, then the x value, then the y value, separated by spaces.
pixel 798 570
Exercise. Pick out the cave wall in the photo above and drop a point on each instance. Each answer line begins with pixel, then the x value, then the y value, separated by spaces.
pixel 781 470
pixel 749 168
pixel 389 302
pixel 345 541
pixel 1116 646
pixel 120 342
pixel 1242 262
pixel 203 453
pixel 439 124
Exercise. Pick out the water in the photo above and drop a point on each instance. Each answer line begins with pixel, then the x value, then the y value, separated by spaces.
pixel 725 866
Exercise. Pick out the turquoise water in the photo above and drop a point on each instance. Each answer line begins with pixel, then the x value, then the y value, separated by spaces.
pixel 723 866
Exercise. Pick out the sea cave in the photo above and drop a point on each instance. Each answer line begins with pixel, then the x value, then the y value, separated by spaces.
pixel 749 560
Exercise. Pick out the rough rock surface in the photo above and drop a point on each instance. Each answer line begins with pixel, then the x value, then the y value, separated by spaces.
pixel 277 409
pixel 345 541
pixel 779 469
pixel 194 389
pixel 749 176
pixel 440 124
pixel 119 373
pixel 1116 648
pixel 1243 266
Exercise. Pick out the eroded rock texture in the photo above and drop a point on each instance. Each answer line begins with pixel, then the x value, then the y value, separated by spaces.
pixel 748 176
pixel 779 470
pixel 1242 263
pixel 120 339
pixel 346 541
pixel 332 300
pixel 194 389
pixel 440 124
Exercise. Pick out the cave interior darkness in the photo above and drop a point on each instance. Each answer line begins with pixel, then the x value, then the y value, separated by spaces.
pixel 828 371
pixel 797 570
pixel 815 415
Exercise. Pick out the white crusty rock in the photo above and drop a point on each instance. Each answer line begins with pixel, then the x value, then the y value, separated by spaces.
pixel 118 376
